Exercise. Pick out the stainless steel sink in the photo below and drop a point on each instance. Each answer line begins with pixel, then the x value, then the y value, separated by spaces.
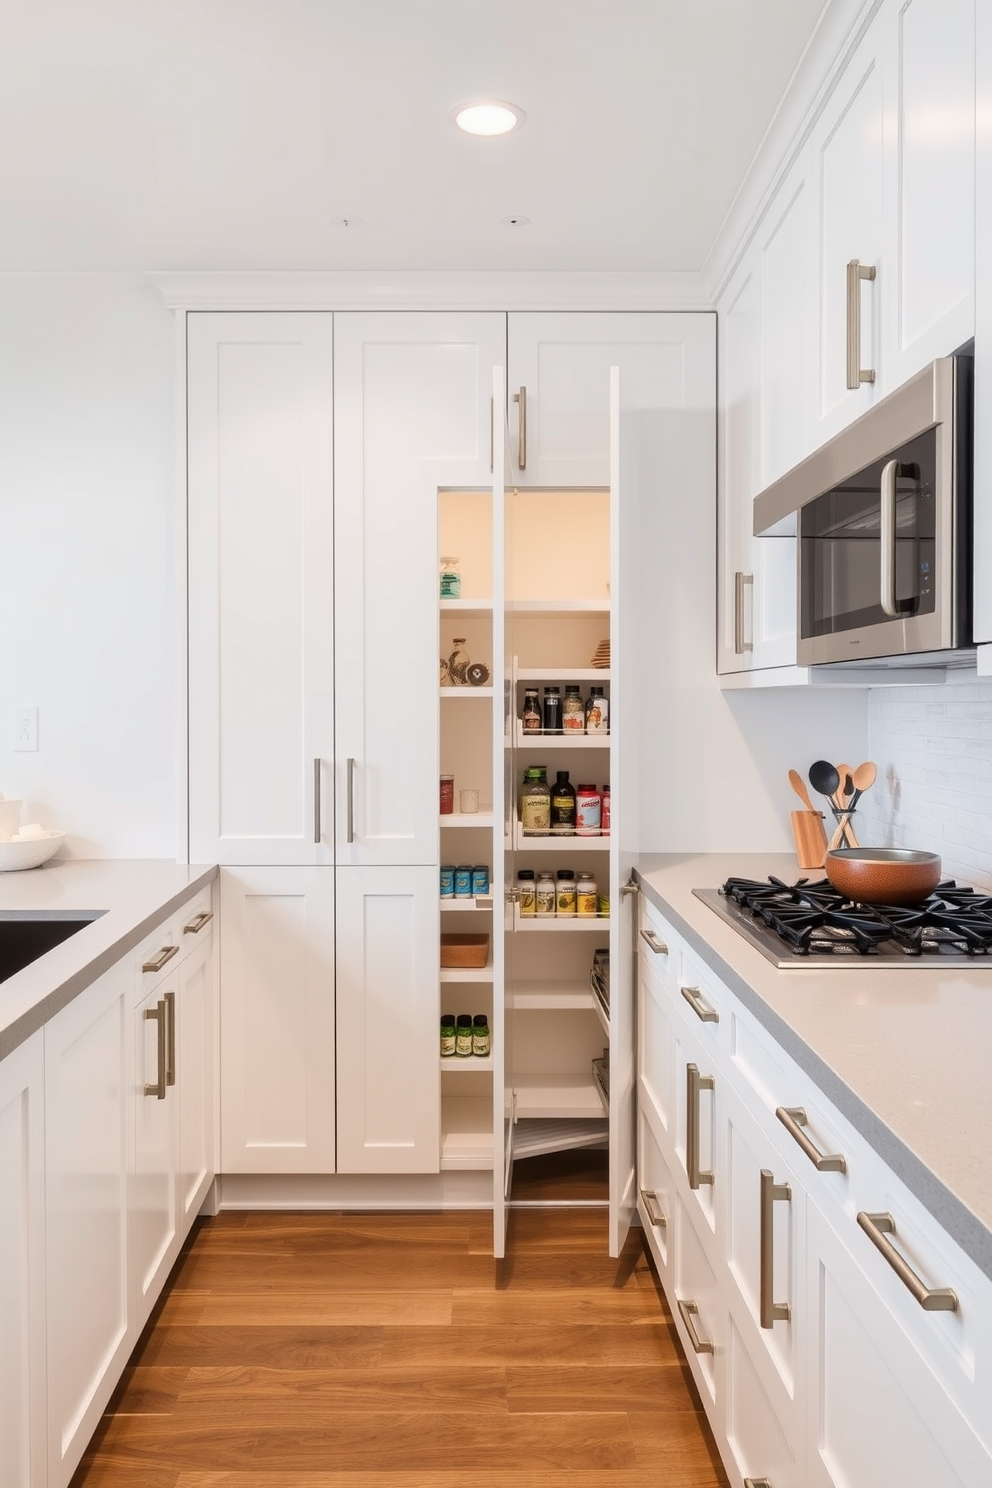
pixel 27 934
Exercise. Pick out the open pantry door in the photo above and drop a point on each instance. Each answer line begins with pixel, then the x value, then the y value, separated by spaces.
pixel 625 498
pixel 502 716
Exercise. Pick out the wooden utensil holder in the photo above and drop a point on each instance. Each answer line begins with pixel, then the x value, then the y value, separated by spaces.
pixel 810 838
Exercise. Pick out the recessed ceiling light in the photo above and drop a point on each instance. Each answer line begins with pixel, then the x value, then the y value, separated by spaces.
pixel 487 118
pixel 515 221
pixel 345 222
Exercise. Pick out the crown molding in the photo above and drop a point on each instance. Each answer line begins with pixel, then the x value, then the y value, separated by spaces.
pixel 839 30
pixel 435 290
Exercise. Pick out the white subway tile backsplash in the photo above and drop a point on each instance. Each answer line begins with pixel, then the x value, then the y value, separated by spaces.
pixel 933 748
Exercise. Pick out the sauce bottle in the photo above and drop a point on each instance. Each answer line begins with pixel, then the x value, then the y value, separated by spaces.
pixel 552 710
pixel 535 802
pixel 563 807
pixel 573 713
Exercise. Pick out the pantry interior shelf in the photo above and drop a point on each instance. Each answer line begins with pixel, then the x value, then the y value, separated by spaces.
pixel 552 844
pixel 466 819
pixel 469 609
pixel 466 1131
pixel 470 906
pixel 465 692
pixel 562 674
pixel 466 1064
pixel 467 973
pixel 533 737
pixel 551 925
pixel 561 996
pixel 558 1095
pixel 559 606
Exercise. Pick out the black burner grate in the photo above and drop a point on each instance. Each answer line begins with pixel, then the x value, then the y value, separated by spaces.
pixel 816 919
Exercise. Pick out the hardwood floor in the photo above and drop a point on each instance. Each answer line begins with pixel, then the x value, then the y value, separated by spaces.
pixel 348 1351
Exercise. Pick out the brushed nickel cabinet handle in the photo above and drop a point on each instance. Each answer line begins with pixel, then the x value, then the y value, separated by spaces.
pixel 741 582
pixel 931 1299
pixel 157 962
pixel 198 921
pixel 316 802
pixel 157 1013
pixel 492 435
pixel 169 998
pixel 695 1082
pixel 793 1118
pixel 689 1312
pixel 630 887
pixel 887 539
pixel 520 399
pixel 351 800
pixel 658 946
pixel 757 1483
pixel 650 1201
pixel 702 1009
pixel 770 1312
pixel 856 374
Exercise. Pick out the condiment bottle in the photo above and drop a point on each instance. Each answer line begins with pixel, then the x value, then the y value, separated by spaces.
pixel 563 807
pixel 481 1038
pixel 573 713
pixel 597 712
pixel 535 802
pixel 588 811
pixel 567 899
pixel 526 901
pixel 605 809
pixel 545 894
pixel 552 710
pixel 585 895
pixel 447 1035
pixel 530 718
pixel 463 1036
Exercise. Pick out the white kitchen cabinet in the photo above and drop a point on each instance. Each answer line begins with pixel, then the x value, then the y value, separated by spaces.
pixel 23 1447
pixel 739 477
pixel 195 1058
pixel 260 588
pixel 982 573
pixel 277 1020
pixel 785 260
pixel 387 1020
pixel 88 1059
pixel 153 1222
pixel 413 414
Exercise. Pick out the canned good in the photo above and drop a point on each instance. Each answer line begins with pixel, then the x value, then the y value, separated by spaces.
pixel 586 895
pixel 566 901
pixel 463 881
pixel 480 879
pixel 447 880
pixel 526 892
pixel 545 894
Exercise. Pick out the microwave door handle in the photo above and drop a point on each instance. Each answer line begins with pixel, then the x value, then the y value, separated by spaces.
pixel 887 533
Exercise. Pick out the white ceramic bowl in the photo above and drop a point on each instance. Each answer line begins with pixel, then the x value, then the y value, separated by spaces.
pixel 30 854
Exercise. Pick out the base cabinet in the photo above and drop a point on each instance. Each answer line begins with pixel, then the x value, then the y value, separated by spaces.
pixel 22 1245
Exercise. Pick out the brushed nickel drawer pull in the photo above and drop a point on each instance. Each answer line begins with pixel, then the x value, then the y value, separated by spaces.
pixel 757 1483
pixel 157 962
pixel 316 802
pixel 658 946
pixel 350 770
pixel 741 581
pixel 521 401
pixel 770 1312
pixel 654 1214
pixel 702 1009
pixel 931 1299
pixel 856 374
pixel 197 923
pixel 689 1311
pixel 695 1082
pixel 170 1037
pixel 793 1118
pixel 157 1013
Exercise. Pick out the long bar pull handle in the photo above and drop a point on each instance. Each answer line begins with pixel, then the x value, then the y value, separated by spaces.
pixel 931 1299
pixel 689 1312
pixel 198 921
pixel 654 1214
pixel 158 1014
pixel 492 435
pixel 169 998
pixel 520 399
pixel 793 1118
pixel 887 539
pixel 695 1082
pixel 770 1312
pixel 856 374
pixel 658 946
pixel 757 1483
pixel 158 961
pixel 702 1009
pixel 351 800
pixel 316 801
pixel 741 582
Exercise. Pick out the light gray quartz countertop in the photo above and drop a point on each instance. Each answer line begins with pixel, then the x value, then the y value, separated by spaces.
pixel 905 1055
pixel 135 895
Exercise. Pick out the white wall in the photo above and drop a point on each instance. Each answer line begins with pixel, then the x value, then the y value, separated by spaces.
pixel 933 748
pixel 88 596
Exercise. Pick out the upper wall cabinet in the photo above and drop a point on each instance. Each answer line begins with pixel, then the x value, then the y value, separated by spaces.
pixel 413 414
pixel 260 524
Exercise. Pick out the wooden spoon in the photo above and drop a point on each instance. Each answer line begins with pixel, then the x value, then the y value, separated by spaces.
pixel 799 786
pixel 864 778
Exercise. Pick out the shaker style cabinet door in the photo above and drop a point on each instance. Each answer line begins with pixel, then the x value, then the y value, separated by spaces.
pixel 740 369
pixel 260 530
pixel 22 1267
pixel 413 413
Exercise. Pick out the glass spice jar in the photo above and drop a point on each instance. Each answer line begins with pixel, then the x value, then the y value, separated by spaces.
pixel 447 1035
pixel 526 900
pixel 482 1043
pixel 530 716
pixel 463 1036
pixel 458 663
pixel 566 901
pixel 573 713
pixel 535 802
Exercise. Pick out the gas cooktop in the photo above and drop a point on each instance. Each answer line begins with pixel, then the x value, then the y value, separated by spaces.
pixel 812 924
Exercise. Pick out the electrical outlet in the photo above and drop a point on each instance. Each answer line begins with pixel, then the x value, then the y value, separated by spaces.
pixel 26 728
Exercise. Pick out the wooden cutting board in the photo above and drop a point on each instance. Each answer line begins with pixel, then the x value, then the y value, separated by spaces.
pixel 810 837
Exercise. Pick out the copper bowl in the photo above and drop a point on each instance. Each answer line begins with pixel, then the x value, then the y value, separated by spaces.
pixel 883 875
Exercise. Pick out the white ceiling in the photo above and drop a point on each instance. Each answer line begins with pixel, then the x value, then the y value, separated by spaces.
pixel 231 134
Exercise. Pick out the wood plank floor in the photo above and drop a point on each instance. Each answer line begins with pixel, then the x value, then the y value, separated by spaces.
pixel 349 1351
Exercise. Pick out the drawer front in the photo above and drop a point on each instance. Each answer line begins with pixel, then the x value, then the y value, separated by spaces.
pixel 699 1313
pixel 656 942
pixel 755 1434
pixel 655 1050
pixel 697 1094
pixel 174 937
pixel 702 1000
pixel 656 1199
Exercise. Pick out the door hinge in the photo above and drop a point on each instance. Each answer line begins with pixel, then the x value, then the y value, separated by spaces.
pixel 630 887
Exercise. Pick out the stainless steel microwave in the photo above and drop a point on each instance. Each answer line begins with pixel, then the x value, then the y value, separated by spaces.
pixel 884 525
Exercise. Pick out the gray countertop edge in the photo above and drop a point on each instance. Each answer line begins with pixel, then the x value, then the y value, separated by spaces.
pixel 946 1207
pixel 19 1030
